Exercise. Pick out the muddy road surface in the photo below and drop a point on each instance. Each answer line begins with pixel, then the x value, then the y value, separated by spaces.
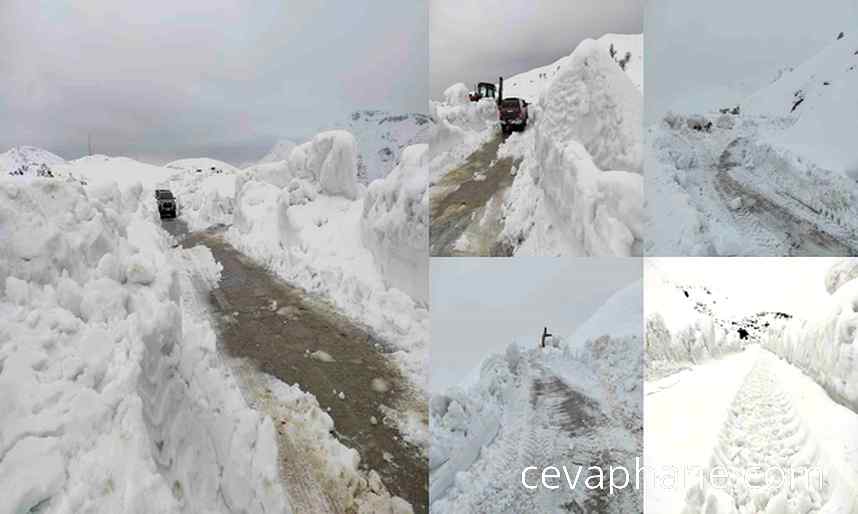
pixel 462 198
pixel 282 331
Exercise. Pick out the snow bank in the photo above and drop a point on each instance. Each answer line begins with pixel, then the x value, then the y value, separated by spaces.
pixel 110 402
pixel 592 102
pixel 459 128
pixel 206 198
pixel 457 94
pixel 589 121
pixel 395 224
pixel 824 346
pixel 361 252
pixel 484 433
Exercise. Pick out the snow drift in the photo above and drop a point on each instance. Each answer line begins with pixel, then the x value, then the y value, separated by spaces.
pixel 110 402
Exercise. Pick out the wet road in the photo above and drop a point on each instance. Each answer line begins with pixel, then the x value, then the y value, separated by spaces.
pixel 277 328
pixel 461 201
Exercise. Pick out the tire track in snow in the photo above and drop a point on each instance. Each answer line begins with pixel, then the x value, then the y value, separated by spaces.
pixel 546 423
pixel 762 438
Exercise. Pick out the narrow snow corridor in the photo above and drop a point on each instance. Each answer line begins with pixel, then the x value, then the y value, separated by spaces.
pixel 769 447
pixel 466 207
pixel 267 327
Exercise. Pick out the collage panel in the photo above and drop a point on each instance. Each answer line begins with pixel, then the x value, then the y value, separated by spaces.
pixel 535 386
pixel 213 266
pixel 751 385
pixel 537 150
pixel 749 120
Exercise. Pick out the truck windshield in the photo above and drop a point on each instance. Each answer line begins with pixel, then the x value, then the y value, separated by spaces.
pixel 509 102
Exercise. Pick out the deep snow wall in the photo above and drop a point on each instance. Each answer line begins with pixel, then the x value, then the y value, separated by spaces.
pixel 109 402
pixel 825 346
pixel 589 121
pixel 395 224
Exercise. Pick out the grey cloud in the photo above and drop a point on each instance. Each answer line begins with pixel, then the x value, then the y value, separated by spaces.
pixel 221 78
pixel 484 39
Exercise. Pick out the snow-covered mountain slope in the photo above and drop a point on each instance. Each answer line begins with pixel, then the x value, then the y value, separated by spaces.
pixel 381 136
pixel 822 95
pixel 279 152
pixel 774 175
pixel 201 164
pixel 542 407
pixel 124 171
pixel 27 159
pixel 532 83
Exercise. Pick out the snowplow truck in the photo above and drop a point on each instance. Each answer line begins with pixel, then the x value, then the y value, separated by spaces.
pixel 482 90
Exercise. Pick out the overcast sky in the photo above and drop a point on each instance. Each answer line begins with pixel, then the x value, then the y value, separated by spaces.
pixel 160 79
pixel 480 40
pixel 700 54
pixel 742 286
pixel 479 306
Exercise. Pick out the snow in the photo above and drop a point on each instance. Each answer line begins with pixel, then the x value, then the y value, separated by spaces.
pixel 202 164
pixel 532 84
pixel 113 400
pixel 334 162
pixel 484 432
pixel 395 224
pixel 619 316
pixel 381 136
pixel 27 157
pixel 279 152
pixel 360 251
pixel 784 151
pixel 459 128
pixel 124 171
pixel 753 400
pixel 562 202
pixel 824 345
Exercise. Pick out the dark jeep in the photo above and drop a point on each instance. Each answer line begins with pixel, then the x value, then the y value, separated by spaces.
pixel 167 206
pixel 513 114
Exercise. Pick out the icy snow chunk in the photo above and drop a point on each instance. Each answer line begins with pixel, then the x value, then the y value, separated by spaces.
pixel 321 356
pixel 334 160
pixel 457 94
pixel 341 395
